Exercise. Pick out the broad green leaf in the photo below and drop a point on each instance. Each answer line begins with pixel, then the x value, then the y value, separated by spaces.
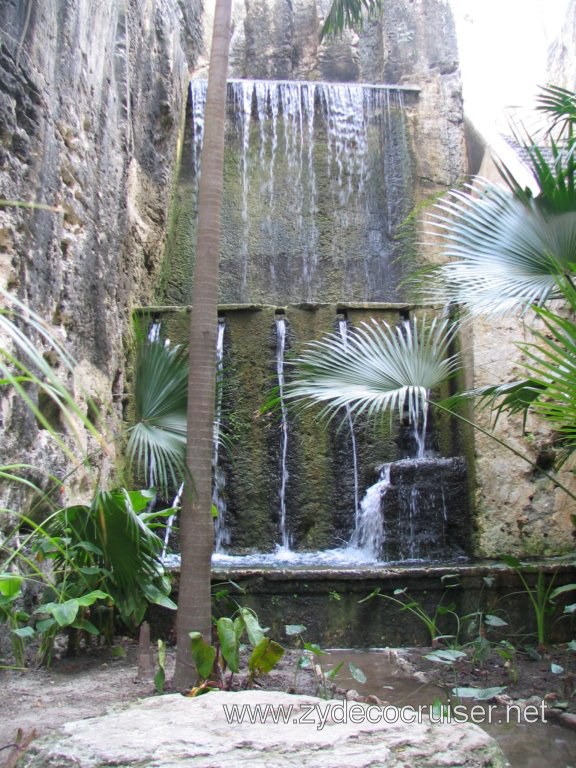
pixel 315 649
pixel 481 694
pixel 10 584
pixel 331 674
pixel 26 633
pixel 294 629
pixel 203 655
pixel 229 644
pixel 570 609
pixel 253 628
pixel 91 597
pixel 154 595
pixel 65 613
pixel 45 625
pixel 511 561
pixel 86 626
pixel 562 590
pixel 265 656
pixel 88 546
pixel 494 621
pixel 357 673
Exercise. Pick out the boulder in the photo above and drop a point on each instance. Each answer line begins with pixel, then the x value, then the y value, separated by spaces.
pixel 277 729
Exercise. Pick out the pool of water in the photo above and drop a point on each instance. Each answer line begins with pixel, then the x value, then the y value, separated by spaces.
pixel 525 745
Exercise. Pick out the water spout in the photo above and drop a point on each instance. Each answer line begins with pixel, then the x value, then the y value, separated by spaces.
pixel 280 352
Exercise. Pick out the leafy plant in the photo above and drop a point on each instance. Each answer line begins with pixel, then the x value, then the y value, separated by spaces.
pixel 312 657
pixel 348 14
pixel 431 620
pixel 541 596
pixel 213 661
pixel 377 369
pixel 103 561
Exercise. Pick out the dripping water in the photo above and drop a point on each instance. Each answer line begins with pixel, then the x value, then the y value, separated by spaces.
pixel 280 352
pixel 343 327
pixel 219 480
pixel 335 147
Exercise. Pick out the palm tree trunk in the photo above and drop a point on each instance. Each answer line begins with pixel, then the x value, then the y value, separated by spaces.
pixel 196 525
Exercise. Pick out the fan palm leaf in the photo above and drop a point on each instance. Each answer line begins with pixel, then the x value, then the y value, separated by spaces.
pixel 157 439
pixel 376 369
pixel 507 246
pixel 506 254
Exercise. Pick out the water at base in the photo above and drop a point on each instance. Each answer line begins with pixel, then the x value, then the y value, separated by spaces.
pixel 525 745
pixel 339 558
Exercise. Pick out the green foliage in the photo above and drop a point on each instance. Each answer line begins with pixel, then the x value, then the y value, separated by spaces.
pixel 348 14
pixel 542 595
pixel 26 367
pixel 431 620
pixel 312 655
pixel 376 369
pixel 213 661
pixel 111 545
pixel 157 438
pixel 103 562
pixel 160 676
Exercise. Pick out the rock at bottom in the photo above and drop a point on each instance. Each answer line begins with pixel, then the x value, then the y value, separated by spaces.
pixel 276 729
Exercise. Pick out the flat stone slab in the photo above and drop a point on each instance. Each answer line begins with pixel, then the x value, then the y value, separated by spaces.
pixel 292 731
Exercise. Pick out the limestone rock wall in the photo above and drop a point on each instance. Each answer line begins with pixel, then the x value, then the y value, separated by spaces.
pixel 561 59
pixel 91 98
pixel 413 42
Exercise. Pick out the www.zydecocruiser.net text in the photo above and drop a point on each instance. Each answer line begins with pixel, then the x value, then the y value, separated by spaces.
pixel 321 714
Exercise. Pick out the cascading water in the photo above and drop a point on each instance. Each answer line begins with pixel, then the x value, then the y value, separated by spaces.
pixel 369 532
pixel 280 353
pixel 321 180
pixel 222 532
pixel 318 180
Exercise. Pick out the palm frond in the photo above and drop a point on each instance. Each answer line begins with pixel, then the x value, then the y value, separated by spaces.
pixel 157 439
pixel 377 369
pixel 348 14
pixel 559 105
pixel 25 338
pixel 112 534
pixel 507 254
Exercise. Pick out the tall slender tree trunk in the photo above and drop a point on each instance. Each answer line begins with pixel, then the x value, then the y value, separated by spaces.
pixel 196 524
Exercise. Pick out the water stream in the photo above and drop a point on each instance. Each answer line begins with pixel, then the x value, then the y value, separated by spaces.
pixel 280 353
pixel 222 532
pixel 343 328
pixel 525 745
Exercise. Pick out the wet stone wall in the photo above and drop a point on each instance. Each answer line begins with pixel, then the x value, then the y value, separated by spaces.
pixel 321 474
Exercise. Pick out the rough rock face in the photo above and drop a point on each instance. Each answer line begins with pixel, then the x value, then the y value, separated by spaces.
pixel 561 60
pixel 413 42
pixel 173 730
pixel 91 96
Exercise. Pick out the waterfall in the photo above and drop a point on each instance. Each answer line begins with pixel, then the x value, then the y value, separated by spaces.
pixel 218 478
pixel 318 174
pixel 343 327
pixel 280 352
pixel 369 533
